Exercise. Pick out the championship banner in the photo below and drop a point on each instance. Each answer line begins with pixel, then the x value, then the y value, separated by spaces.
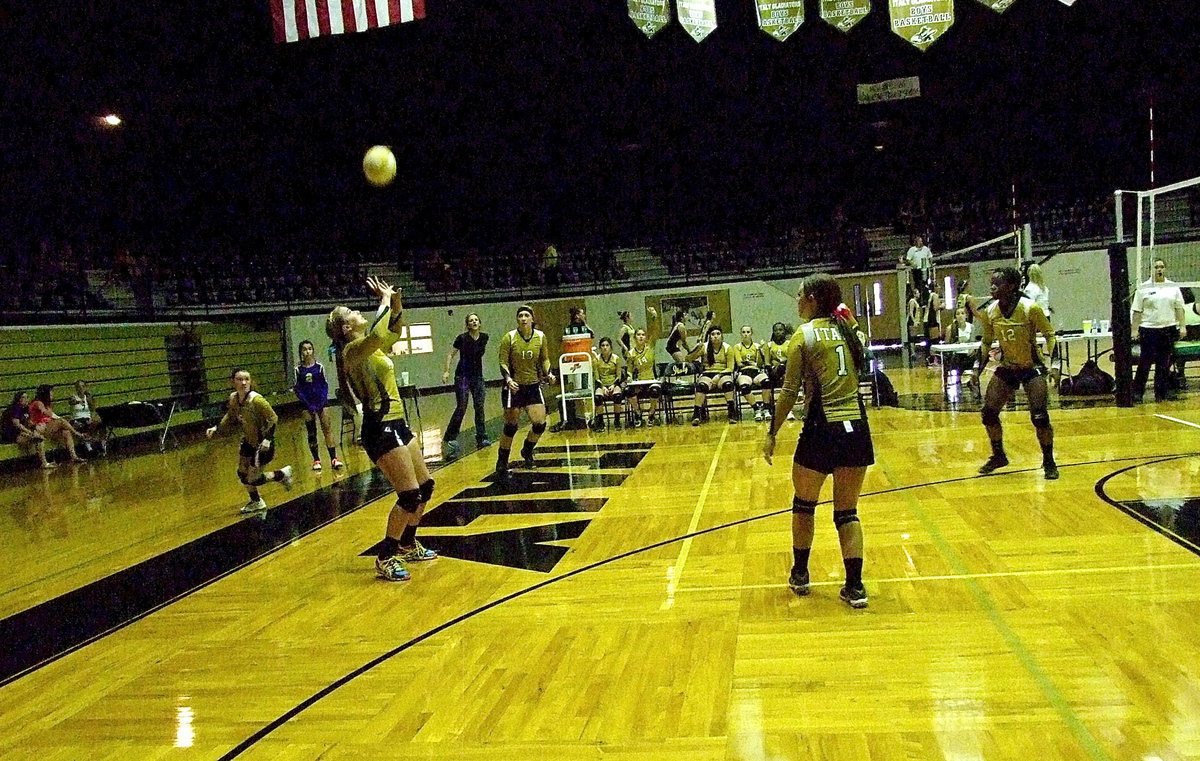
pixel 999 6
pixel 921 22
pixel 650 15
pixel 779 18
pixel 890 89
pixel 844 14
pixel 698 17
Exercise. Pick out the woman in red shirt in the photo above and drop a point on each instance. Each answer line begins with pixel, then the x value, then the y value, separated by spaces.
pixel 45 422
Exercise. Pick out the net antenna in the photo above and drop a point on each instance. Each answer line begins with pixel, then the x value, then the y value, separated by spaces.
pixel 1161 212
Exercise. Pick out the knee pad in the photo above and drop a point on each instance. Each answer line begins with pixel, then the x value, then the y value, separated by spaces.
pixel 617 397
pixel 599 399
pixel 727 386
pixel 510 429
pixel 745 388
pixel 426 490
pixel 243 477
pixel 409 500
pixel 538 428
pixel 990 416
pixel 311 427
pixel 1041 419
pixel 842 517
pixel 655 392
pixel 804 506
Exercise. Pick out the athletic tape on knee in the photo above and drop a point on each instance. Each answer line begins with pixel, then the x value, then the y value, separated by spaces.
pixel 804 506
pixel 538 428
pixel 510 429
pixel 842 517
pixel 1040 419
pixel 426 490
pixel 990 417
pixel 409 500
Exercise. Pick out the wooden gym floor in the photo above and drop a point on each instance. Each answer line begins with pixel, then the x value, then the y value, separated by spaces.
pixel 626 600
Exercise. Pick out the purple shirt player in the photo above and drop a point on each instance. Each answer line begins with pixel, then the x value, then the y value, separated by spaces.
pixel 311 387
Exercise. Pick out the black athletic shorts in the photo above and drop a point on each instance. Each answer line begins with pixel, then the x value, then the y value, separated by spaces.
pixel 249 450
pixel 1015 377
pixel 382 436
pixel 524 396
pixel 825 446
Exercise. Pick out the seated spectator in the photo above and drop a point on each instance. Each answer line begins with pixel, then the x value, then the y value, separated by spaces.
pixel 84 419
pixel 16 428
pixel 50 425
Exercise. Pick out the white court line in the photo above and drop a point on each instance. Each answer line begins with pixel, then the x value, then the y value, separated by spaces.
pixel 954 576
pixel 1177 420
pixel 675 572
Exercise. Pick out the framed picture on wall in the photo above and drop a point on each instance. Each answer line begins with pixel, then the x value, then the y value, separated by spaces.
pixel 695 308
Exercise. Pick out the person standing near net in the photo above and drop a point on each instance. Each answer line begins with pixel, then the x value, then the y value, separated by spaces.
pixel 469 347
pixel 825 357
pixel 1016 322
pixel 525 365
pixel 1157 315
pixel 313 392
pixel 387 438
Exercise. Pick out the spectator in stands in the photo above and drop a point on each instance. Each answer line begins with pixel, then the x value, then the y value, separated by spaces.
pixel 17 429
pixel 50 425
pixel 84 419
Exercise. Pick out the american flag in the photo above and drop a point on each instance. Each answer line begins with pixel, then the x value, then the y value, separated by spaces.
pixel 302 19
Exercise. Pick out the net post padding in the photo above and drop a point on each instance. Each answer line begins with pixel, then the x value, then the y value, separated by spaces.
pixel 1118 271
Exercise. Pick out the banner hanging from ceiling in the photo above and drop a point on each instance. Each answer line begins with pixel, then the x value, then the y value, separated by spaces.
pixel 890 89
pixel 844 14
pixel 921 22
pixel 999 6
pixel 650 15
pixel 697 17
pixel 779 18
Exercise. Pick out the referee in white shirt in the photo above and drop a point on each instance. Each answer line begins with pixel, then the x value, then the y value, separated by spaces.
pixel 1157 316
pixel 920 263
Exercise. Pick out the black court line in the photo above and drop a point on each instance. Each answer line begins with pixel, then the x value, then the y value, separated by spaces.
pixel 253 739
pixel 1184 533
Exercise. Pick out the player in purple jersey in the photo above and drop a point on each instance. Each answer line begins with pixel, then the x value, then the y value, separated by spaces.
pixel 313 392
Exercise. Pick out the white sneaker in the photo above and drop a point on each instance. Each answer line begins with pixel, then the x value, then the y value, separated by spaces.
pixel 317 465
pixel 286 470
pixel 254 506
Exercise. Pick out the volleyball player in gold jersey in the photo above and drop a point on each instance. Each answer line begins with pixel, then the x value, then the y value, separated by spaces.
pixel 525 365
pixel 610 372
pixel 1016 321
pixel 825 357
pixel 640 363
pixel 386 436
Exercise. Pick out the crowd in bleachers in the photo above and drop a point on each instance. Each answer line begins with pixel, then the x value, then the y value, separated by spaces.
pixel 58 276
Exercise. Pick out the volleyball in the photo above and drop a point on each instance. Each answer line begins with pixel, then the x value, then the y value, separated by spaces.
pixel 379 165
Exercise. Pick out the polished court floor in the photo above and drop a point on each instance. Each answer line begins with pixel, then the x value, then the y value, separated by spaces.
pixel 625 600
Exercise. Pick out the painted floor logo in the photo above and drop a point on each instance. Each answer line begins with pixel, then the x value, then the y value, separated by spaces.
pixel 562 468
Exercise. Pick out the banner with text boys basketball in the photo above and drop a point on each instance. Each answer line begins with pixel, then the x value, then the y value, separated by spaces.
pixel 921 22
pixel 650 15
pixel 697 17
pixel 779 18
pixel 844 14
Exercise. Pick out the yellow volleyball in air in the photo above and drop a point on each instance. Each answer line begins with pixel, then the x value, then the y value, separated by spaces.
pixel 379 165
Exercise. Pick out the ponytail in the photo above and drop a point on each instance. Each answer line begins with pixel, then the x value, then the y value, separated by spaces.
pixel 828 295
pixel 333 329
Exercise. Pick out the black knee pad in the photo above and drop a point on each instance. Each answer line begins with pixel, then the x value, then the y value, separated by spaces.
pixel 727 386
pixel 599 399
pixel 990 417
pixel 745 388
pixel 804 506
pixel 510 429
pixel 311 427
pixel 618 398
pixel 409 500
pixel 426 490
pixel 842 517
pixel 655 392
pixel 1040 419
pixel 538 428
pixel 242 477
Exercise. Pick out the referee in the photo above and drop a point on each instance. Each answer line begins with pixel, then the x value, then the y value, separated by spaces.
pixel 1157 316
